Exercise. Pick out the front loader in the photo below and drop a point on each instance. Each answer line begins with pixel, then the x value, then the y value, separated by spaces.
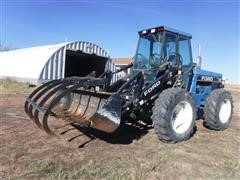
pixel 164 83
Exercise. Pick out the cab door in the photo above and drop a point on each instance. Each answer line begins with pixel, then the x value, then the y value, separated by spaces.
pixel 185 52
pixel 170 47
pixel 164 53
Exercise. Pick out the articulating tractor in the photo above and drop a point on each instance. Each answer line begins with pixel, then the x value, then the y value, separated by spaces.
pixel 163 83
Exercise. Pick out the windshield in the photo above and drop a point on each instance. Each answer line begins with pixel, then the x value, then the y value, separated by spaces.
pixel 148 51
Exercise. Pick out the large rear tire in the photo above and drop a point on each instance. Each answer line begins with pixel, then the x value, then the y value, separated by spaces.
pixel 174 115
pixel 218 110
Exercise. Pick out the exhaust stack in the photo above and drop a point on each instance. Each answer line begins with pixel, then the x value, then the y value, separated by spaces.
pixel 199 57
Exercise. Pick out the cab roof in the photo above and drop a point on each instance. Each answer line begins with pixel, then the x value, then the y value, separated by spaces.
pixel 164 28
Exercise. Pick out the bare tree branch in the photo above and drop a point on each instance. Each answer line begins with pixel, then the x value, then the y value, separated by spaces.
pixel 6 47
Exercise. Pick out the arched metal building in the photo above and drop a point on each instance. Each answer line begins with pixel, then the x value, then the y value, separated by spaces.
pixel 40 64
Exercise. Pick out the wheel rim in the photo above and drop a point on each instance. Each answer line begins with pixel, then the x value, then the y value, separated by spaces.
pixel 182 117
pixel 225 111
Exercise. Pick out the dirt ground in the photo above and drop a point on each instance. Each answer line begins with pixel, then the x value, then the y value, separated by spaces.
pixel 26 152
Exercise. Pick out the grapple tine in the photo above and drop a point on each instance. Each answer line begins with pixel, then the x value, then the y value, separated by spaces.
pixel 51 106
pixel 37 91
pixel 40 95
pixel 46 98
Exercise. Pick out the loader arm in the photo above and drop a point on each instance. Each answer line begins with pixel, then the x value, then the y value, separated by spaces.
pixel 162 82
pixel 134 93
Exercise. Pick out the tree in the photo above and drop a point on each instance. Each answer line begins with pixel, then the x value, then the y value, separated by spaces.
pixel 6 47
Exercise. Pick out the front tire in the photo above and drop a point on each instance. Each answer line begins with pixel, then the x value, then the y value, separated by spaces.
pixel 218 110
pixel 174 115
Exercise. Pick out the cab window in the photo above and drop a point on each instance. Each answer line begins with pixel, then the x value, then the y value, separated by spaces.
pixel 184 51
pixel 170 46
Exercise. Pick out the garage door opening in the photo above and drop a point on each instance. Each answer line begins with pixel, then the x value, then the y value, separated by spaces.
pixel 80 64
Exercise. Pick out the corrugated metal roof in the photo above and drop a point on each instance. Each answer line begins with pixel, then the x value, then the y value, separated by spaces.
pixel 45 62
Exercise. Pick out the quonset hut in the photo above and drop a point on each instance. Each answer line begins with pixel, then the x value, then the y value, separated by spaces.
pixel 44 63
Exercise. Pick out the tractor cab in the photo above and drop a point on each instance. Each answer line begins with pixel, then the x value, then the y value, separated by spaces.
pixel 161 46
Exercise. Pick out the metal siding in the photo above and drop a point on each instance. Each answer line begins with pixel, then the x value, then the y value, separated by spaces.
pixel 56 65
pixel 49 68
pixel 81 46
pixel 94 49
pixel 87 48
pixel 42 73
pixel 52 66
pixel 46 71
pixel 60 64
pixel 63 62
pixel 84 47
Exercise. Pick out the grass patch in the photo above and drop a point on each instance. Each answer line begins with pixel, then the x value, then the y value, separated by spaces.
pixel 9 86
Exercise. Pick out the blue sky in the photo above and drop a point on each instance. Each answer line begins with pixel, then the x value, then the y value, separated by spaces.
pixel 114 25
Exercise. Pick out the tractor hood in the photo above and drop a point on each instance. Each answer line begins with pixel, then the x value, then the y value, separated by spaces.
pixel 207 75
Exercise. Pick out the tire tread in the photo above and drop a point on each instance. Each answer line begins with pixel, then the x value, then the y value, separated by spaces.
pixel 160 116
pixel 211 109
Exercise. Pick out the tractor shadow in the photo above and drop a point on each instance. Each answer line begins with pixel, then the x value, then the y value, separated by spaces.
pixel 125 134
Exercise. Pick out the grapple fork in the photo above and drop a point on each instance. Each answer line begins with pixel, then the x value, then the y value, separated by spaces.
pixel 73 99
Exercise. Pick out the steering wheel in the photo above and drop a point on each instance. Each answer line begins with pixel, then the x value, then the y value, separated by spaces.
pixel 156 56
pixel 140 61
pixel 178 61
pixel 155 60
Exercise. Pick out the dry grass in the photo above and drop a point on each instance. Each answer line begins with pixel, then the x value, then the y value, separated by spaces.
pixel 234 87
pixel 9 86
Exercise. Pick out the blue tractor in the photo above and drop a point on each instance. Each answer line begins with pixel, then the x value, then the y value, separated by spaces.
pixel 164 85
